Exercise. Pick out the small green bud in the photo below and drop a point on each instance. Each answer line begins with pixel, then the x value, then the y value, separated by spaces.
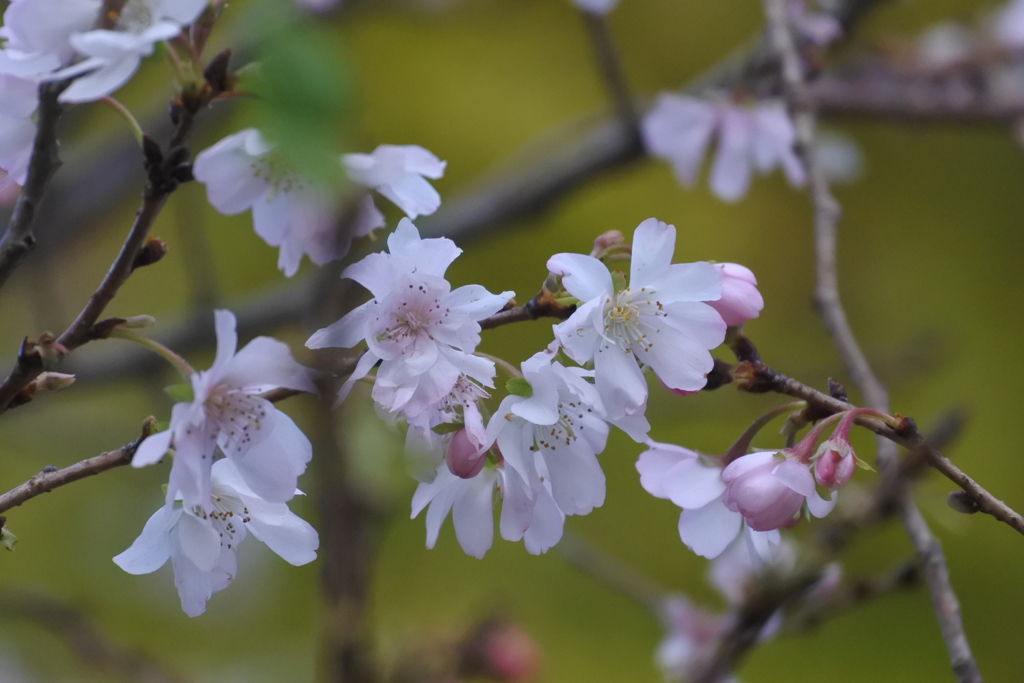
pixel 7 539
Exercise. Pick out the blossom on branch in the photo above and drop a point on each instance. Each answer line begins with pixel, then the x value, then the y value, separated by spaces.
pixel 769 489
pixel 680 128
pixel 420 330
pixel 202 544
pixel 228 414
pixel 113 56
pixel 242 172
pixel 398 172
pixel 740 300
pixel 660 318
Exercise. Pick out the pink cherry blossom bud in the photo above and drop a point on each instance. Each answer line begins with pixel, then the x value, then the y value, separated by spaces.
pixel 740 299
pixel 500 651
pixel 609 242
pixel 463 457
pixel 833 469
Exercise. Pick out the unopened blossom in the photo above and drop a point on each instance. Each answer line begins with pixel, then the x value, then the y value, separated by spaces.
pixel 835 460
pixel 399 173
pixel 464 458
pixel 202 545
pixel 694 482
pixel 460 406
pixel 18 102
pixel 596 6
pixel 769 490
pixel 112 56
pixel 528 515
pixel 242 172
pixel 37 34
pixel 740 300
pixel 680 128
pixel 228 413
pixel 420 330
pixel 661 318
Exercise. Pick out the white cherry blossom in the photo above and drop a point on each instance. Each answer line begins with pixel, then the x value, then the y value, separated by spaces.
pixel 596 6
pixel 420 330
pixel 113 56
pixel 202 545
pixel 398 172
pixel 37 34
pixel 241 173
pixel 660 319
pixel 680 128
pixel 227 413
pixel 530 516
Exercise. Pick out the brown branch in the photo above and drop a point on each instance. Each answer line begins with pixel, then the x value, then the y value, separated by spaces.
pixel 19 238
pixel 612 73
pixel 51 478
pixel 826 219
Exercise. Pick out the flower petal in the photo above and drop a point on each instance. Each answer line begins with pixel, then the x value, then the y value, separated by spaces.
pixel 708 531
pixel 154 545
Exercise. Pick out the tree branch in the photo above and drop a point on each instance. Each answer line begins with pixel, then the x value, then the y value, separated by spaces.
pixel 826 219
pixel 19 238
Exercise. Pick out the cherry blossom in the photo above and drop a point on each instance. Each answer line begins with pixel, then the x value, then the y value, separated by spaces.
pixel 202 545
pixel 694 482
pixel 37 34
pixel 660 318
pixel 769 490
pixel 1009 24
pixel 689 633
pixel 18 102
pixel 740 299
pixel 680 128
pixel 241 172
pixel 420 330
pixel 113 56
pixel 528 515
pixel 398 172
pixel 227 413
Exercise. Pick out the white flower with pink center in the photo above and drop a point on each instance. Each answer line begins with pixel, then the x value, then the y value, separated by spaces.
pixel 420 331
pixel 228 414
pixel 202 542
pixel 660 319
pixel 242 172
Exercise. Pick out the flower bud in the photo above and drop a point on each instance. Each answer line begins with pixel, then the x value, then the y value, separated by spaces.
pixel 464 458
pixel 54 381
pixel 835 466
pixel 138 322
pixel 740 299
pixel 500 651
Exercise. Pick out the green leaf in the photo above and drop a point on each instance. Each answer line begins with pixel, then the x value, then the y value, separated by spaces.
pixel 447 427
pixel 181 393
pixel 517 386
pixel 7 539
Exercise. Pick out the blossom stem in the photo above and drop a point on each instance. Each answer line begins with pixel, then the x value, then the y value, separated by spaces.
pixel 742 445
pixel 179 363
pixel 127 116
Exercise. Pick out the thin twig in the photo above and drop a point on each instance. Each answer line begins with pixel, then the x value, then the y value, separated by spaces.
pixel 19 238
pixel 826 218
pixel 612 73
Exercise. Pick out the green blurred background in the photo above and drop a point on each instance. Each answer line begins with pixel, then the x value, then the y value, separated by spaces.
pixel 930 244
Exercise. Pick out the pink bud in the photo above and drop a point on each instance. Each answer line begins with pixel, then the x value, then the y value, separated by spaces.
pixel 463 457
pixel 754 490
pixel 500 651
pixel 740 299
pixel 834 468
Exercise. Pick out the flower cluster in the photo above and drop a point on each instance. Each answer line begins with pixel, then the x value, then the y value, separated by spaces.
pixel 211 503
